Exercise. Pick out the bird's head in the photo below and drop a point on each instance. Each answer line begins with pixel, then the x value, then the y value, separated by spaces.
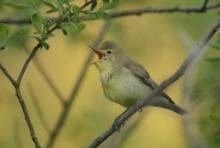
pixel 109 56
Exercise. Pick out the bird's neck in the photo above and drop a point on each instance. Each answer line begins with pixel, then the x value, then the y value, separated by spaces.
pixel 108 73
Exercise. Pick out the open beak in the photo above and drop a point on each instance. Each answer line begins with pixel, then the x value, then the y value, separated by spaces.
pixel 98 53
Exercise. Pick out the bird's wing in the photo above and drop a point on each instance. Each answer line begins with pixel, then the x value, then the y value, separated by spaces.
pixel 139 71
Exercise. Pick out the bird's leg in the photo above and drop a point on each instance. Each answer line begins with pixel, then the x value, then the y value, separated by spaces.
pixel 116 124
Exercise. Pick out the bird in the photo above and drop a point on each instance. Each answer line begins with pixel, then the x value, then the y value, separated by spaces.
pixel 125 81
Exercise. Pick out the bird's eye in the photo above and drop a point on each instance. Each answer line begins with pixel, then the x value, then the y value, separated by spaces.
pixel 109 52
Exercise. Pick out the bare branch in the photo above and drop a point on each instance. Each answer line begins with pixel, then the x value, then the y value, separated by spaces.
pixel 26 63
pixel 86 4
pixel 31 56
pixel 38 109
pixel 5 72
pixel 204 5
pixel 197 51
pixel 27 118
pixel 177 9
pixel 132 12
pixel 16 85
pixel 62 118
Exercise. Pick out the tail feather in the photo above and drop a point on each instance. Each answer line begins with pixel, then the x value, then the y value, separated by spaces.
pixel 173 107
pixel 177 109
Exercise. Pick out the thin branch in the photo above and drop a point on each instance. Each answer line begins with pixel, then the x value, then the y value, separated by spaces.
pixel 30 57
pixel 26 63
pixel 197 51
pixel 16 85
pixel 27 118
pixel 6 73
pixel 177 9
pixel 63 116
pixel 131 12
pixel 87 3
pixel 38 109
pixel 204 5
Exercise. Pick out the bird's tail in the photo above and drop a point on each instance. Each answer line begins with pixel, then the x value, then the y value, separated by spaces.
pixel 173 107
pixel 177 109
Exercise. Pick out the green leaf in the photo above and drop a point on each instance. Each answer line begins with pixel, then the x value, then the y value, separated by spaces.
pixel 64 1
pixel 37 22
pixel 75 27
pixel 64 31
pixel 17 5
pixel 217 139
pixel 52 9
pixel 75 10
pixel 94 4
pixel 215 118
pixel 109 4
pixel 49 4
pixel 18 37
pixel 45 45
pixel 102 15
pixel 213 59
pixel 35 3
pixel 4 33
pixel 215 46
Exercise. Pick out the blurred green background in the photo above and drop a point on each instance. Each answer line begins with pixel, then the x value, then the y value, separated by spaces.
pixel 160 42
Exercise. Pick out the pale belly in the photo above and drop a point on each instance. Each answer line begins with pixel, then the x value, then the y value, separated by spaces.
pixel 124 88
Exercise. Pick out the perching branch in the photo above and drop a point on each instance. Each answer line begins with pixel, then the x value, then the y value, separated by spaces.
pixel 63 116
pixel 197 52
pixel 132 12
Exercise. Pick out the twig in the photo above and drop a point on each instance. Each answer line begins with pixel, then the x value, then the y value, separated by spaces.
pixel 26 63
pixel 17 84
pixel 27 118
pixel 30 57
pixel 177 9
pixel 198 50
pixel 204 6
pixel 86 4
pixel 132 12
pixel 6 73
pixel 38 109
pixel 71 98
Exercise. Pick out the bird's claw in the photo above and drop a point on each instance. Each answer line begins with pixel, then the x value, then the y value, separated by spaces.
pixel 117 125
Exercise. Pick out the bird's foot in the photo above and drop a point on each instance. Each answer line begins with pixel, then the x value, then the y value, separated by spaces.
pixel 140 108
pixel 116 124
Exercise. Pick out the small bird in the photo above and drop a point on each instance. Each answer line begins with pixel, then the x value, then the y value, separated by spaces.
pixel 124 81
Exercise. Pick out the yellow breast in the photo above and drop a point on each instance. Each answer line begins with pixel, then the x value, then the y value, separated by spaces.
pixel 123 88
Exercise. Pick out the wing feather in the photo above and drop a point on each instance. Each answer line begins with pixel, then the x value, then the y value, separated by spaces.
pixel 139 71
